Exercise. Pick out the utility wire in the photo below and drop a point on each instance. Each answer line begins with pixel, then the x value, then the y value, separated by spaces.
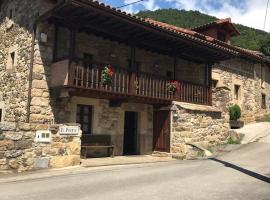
pixel 132 4
pixel 266 12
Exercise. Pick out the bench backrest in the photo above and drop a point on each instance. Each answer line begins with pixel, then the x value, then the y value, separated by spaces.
pixel 96 139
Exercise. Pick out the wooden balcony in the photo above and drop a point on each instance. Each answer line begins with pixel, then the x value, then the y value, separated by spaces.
pixel 127 84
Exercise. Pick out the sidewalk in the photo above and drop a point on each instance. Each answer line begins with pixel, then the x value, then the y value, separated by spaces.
pixel 123 160
pixel 254 132
pixel 93 164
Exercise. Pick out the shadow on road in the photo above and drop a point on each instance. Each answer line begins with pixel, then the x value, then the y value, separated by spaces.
pixel 245 171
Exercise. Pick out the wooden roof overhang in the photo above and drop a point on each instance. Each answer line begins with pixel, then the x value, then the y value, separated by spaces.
pixel 96 18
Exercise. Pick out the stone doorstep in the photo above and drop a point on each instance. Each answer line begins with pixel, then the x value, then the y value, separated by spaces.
pixel 123 160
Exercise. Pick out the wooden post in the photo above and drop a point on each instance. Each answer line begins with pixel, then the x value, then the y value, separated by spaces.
pixel 208 81
pixel 132 74
pixel 174 66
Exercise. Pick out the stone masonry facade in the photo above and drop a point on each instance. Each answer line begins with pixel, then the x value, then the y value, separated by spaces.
pixel 19 152
pixel 253 82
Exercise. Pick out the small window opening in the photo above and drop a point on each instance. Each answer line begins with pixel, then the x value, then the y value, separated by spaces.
pixel 12 56
pixel 214 83
pixel 263 101
pixel 222 37
pixel 0 115
pixel 236 92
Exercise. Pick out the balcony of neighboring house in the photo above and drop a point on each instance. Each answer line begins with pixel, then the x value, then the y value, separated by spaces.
pixel 150 64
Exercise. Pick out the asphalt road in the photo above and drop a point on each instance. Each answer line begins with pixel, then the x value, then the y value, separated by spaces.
pixel 243 174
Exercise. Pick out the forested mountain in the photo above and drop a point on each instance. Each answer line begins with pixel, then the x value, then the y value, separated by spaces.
pixel 250 38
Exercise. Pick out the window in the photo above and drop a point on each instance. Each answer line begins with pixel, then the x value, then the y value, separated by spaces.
pixel 221 37
pixel 263 101
pixel 1 115
pixel 214 83
pixel 62 43
pixel 12 59
pixel 12 56
pixel 236 92
pixel 84 118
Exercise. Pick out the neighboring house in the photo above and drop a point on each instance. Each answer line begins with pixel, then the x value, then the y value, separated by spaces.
pixel 245 78
pixel 52 57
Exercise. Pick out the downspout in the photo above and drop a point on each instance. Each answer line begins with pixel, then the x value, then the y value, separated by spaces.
pixel 30 78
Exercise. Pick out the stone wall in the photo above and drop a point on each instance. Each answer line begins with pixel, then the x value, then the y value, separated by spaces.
pixel 108 120
pixel 195 124
pixel 19 152
pixel 248 77
pixel 118 55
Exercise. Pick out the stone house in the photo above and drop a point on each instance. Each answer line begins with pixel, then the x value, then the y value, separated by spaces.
pixel 52 60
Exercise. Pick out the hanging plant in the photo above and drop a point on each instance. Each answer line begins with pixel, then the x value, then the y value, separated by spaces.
pixel 172 86
pixel 107 75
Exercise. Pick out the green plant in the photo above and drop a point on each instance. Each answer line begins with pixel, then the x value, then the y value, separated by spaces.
pixel 107 75
pixel 235 112
pixel 172 86
pixel 231 141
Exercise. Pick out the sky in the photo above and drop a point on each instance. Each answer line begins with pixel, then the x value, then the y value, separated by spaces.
pixel 247 12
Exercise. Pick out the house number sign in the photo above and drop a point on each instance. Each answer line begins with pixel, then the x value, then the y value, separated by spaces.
pixel 69 130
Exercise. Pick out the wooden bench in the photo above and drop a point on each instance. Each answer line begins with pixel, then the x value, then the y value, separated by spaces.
pixel 97 141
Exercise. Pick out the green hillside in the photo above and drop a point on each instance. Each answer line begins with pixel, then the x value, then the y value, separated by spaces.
pixel 250 38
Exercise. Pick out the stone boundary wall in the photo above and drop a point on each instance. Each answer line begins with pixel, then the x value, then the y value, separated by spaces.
pixel 19 152
pixel 195 124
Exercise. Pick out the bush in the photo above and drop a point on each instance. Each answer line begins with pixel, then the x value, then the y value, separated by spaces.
pixel 235 112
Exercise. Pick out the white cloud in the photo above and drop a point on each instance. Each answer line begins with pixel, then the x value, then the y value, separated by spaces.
pixel 252 14
pixel 247 12
pixel 147 4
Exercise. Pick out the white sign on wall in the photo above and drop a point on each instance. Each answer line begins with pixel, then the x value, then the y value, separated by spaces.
pixel 69 130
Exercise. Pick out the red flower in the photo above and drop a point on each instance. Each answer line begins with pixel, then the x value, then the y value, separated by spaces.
pixel 111 70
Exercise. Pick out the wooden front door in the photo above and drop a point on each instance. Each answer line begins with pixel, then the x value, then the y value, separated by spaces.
pixel 161 139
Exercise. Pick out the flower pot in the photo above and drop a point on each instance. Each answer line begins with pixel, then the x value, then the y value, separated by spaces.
pixel 236 124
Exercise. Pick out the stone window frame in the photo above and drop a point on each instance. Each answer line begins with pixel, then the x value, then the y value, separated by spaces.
pixel 12 59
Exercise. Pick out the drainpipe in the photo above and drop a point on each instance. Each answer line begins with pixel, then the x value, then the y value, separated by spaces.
pixel 30 78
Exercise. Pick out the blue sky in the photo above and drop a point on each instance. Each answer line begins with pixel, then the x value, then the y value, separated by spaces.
pixel 248 12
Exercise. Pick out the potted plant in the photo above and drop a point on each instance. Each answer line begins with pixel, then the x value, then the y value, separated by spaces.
pixel 172 86
pixel 235 114
pixel 107 75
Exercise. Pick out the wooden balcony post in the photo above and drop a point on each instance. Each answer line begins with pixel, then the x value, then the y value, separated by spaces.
pixel 208 82
pixel 132 74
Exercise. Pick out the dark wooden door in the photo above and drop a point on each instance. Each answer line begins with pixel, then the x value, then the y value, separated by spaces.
pixel 161 139
pixel 130 133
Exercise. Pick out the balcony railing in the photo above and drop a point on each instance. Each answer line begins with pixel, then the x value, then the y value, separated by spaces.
pixel 138 84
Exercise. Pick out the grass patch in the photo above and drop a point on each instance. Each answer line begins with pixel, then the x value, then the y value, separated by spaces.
pixel 265 119
pixel 230 141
